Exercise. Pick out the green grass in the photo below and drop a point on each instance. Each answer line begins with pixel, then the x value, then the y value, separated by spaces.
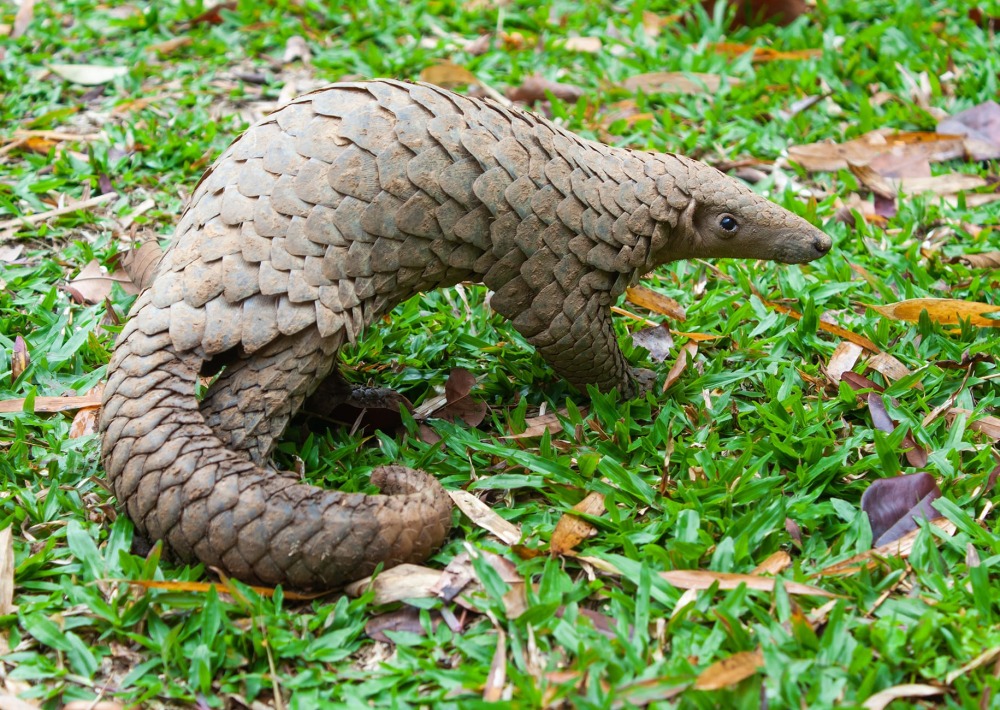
pixel 754 443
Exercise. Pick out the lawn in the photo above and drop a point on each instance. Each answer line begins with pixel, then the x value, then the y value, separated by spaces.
pixel 706 545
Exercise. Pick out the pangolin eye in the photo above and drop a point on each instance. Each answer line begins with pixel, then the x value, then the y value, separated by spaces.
pixel 729 223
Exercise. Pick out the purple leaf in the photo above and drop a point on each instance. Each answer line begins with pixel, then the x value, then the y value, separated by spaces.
pixel 894 504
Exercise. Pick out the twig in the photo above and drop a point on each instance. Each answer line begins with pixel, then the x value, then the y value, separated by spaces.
pixel 74 207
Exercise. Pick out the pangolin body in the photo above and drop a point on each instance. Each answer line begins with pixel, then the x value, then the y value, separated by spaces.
pixel 324 216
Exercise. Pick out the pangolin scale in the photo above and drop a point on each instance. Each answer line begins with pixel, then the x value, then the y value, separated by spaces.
pixel 324 216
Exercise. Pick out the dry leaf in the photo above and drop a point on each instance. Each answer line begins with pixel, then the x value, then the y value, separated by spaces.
pixel 406 619
pixel 763 54
pixel 589 45
pixel 828 327
pixel 87 74
pixel 704 579
pixel 656 340
pixel 899 548
pixel 730 671
pixel 656 302
pixel 752 13
pixel 536 426
pixel 169 46
pixel 213 15
pixel 988 425
pixel 844 358
pixel 19 359
pixel 497 676
pixel 22 20
pixel 893 505
pixel 981 126
pixel 890 368
pixel 84 423
pixel 684 355
pixel 537 88
pixel 459 405
pixel 946 311
pixel 776 563
pixel 572 530
pixel 485 517
pixel 448 75
pixel 984 260
pixel 405 581
pixel 935 147
pixel 296 49
pixel 666 82
pixel 93 285
pixel 881 699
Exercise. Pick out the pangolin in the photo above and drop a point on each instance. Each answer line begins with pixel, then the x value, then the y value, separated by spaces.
pixel 324 216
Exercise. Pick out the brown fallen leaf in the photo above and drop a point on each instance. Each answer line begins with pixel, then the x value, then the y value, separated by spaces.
pixel 753 13
pixel 448 75
pixel 405 581
pixel 775 563
pixel 686 354
pixel 882 699
pixel 536 426
pixel 205 587
pixel 829 157
pixel 946 311
pixel 93 284
pixel 656 340
pixel 890 368
pixel 981 126
pixel 915 454
pixel 667 82
pixel 496 678
pixel 22 20
pixel 405 619
pixel 658 303
pixel 984 260
pixel 730 671
pixel 296 49
pixel 572 530
pixel 704 579
pixel 898 548
pixel 893 505
pixel 844 358
pixel 537 88
pixel 19 359
pixel 988 425
pixel 459 405
pixel 213 15
pixel 169 46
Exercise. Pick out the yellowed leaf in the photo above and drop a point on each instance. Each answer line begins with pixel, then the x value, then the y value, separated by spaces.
pixel 656 302
pixel 776 563
pixel 828 327
pixel 730 671
pixel 704 579
pixel 764 54
pixel 946 311
pixel 170 45
pixel 448 75
pixel 572 530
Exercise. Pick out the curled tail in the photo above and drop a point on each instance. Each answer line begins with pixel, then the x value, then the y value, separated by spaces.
pixel 176 479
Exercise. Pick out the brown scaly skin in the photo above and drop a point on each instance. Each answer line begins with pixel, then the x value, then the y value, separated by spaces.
pixel 324 216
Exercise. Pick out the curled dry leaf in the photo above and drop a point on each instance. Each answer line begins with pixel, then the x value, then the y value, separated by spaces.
pixel 890 368
pixel 537 88
pixel 536 426
pixel 87 74
pixel 988 425
pixel 657 340
pixel 775 563
pixel 19 359
pixel 946 311
pixel 828 327
pixel 684 355
pixel 459 405
pixel 406 619
pixel 93 284
pixel 448 75
pixel 882 699
pixel 893 505
pixel 656 302
pixel 571 530
pixel 496 679
pixel 984 260
pixel 730 671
